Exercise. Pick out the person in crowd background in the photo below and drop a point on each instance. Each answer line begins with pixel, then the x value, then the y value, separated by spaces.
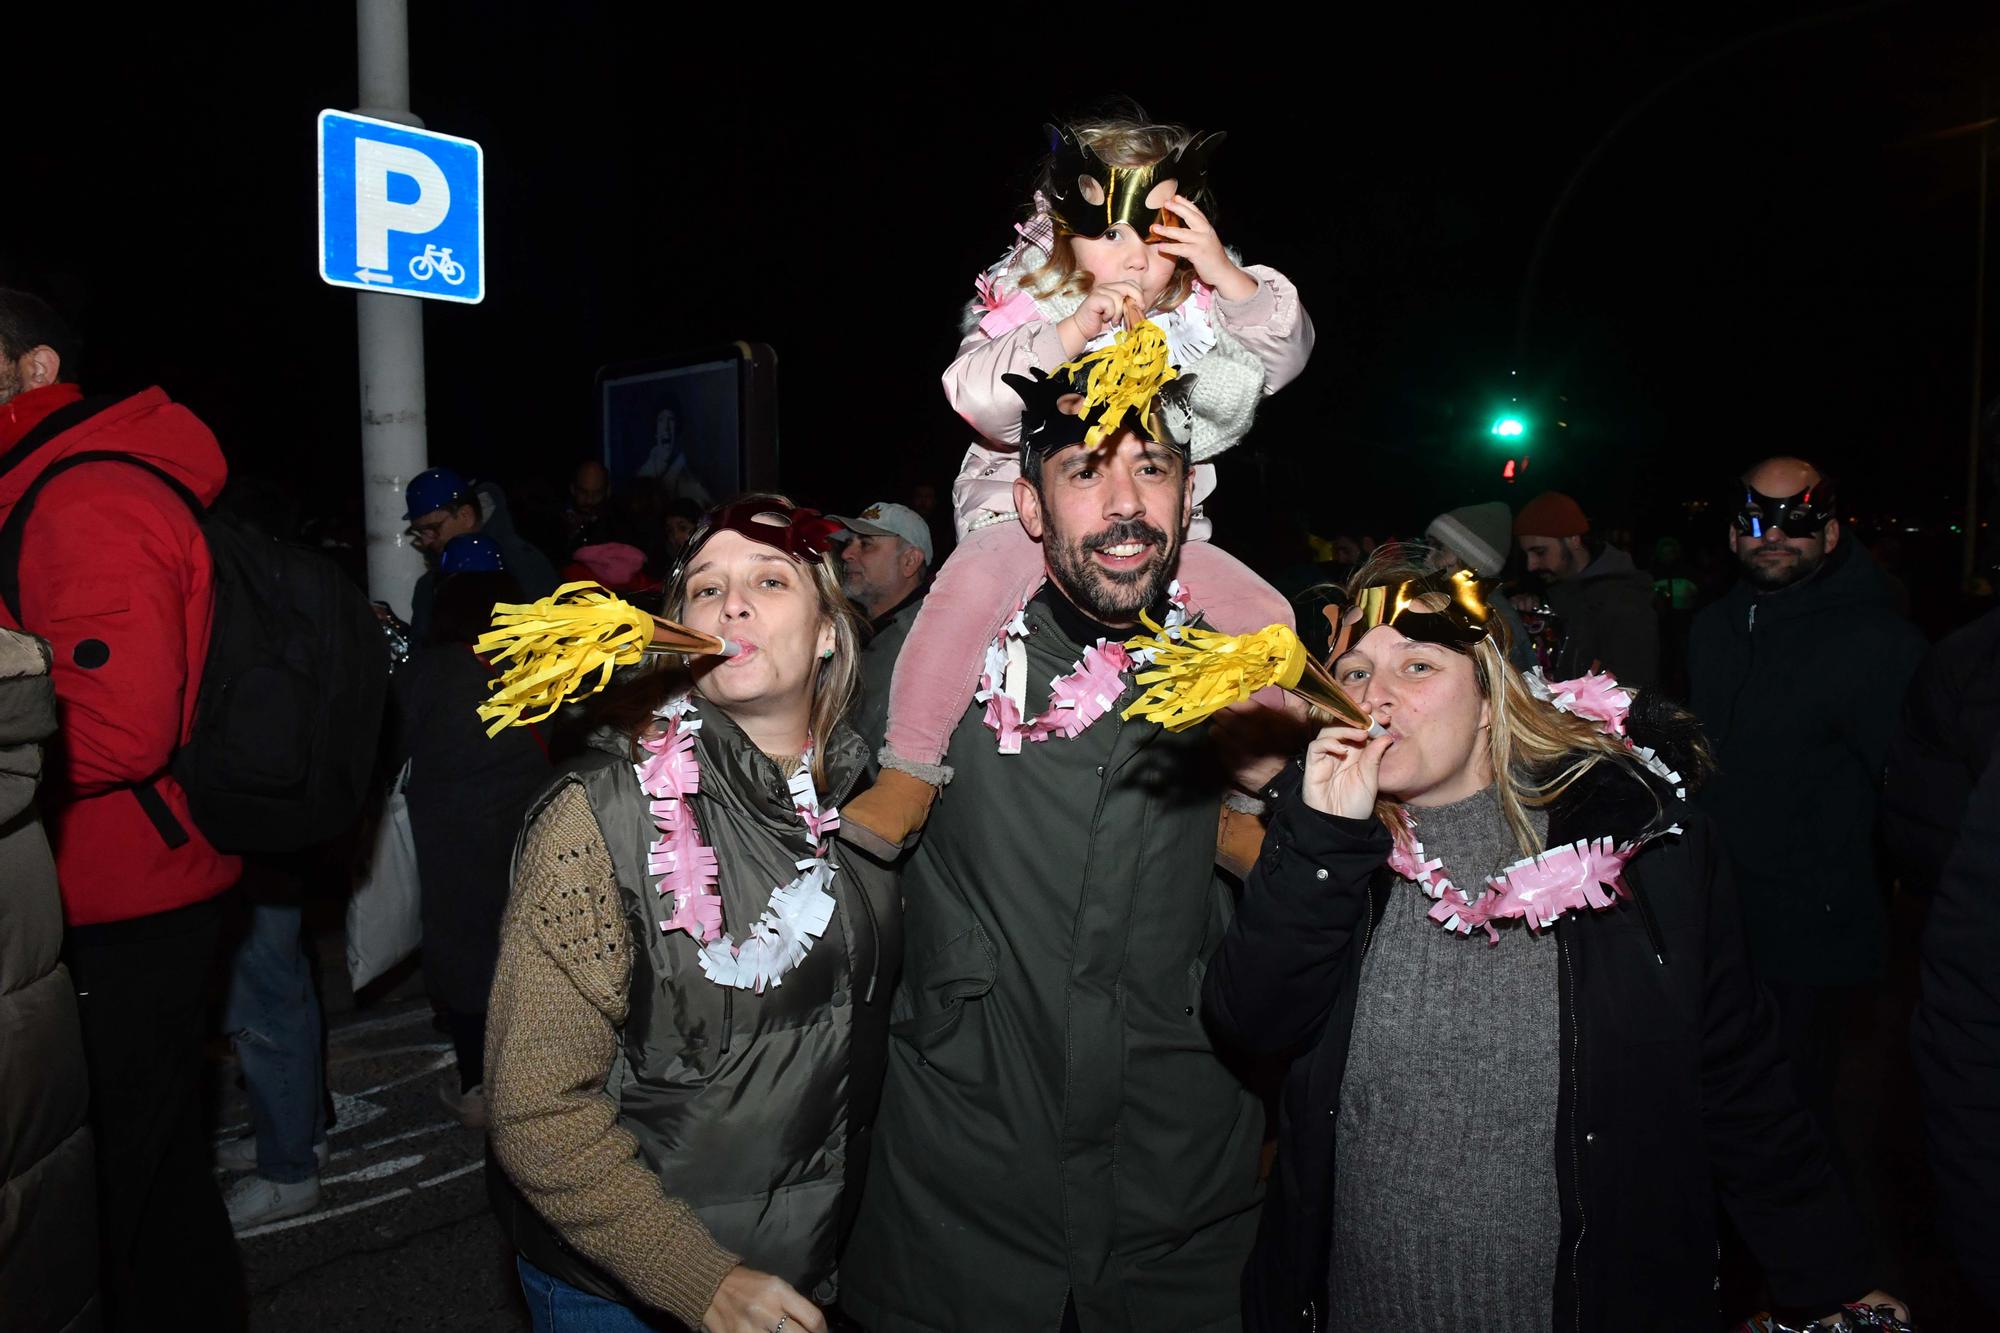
pixel 1941 815
pixel 272 1016
pixel 885 571
pixel 1798 676
pixel 1604 600
pixel 48 1187
pixel 468 794
pixel 443 505
pixel 114 573
pixel 1477 537
pixel 589 518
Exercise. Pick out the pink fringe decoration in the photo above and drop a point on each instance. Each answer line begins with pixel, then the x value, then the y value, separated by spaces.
pixel 1595 696
pixel 1588 875
pixel 1076 700
pixel 687 868
pixel 1006 313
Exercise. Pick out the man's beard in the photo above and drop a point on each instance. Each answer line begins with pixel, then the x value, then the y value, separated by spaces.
pixel 10 380
pixel 855 584
pixel 1111 596
pixel 1771 575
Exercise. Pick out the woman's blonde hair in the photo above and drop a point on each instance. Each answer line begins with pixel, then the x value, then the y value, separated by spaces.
pixel 1119 143
pixel 1536 751
pixel 633 706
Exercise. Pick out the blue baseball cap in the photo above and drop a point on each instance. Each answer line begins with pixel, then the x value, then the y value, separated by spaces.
pixel 434 490
pixel 470 554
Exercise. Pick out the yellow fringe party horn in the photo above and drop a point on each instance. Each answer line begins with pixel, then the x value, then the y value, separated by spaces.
pixel 1123 377
pixel 553 647
pixel 1194 673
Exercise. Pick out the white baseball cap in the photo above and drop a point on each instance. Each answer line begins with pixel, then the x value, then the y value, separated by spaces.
pixel 891 520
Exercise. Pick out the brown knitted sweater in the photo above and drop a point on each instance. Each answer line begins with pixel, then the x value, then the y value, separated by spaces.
pixel 559 996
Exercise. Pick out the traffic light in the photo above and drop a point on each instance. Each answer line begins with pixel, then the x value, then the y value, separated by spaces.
pixel 1510 421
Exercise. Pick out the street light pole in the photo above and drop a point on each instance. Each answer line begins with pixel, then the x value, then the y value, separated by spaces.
pixel 390 332
pixel 1970 559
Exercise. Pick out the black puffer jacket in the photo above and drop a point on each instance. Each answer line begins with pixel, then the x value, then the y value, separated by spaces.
pixel 1673 1094
pixel 48 1189
pixel 1798 691
pixel 1941 811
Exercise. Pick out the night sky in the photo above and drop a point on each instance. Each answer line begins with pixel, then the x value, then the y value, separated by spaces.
pixel 1775 253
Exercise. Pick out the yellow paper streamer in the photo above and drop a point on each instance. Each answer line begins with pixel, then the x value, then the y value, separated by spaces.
pixel 555 646
pixel 1200 672
pixel 1123 377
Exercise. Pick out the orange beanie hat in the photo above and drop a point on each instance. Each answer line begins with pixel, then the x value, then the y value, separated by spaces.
pixel 1551 514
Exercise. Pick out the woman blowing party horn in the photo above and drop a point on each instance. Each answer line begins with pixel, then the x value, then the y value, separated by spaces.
pixel 1529 1059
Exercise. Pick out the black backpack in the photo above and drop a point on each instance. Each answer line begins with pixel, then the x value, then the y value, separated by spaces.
pixel 289 709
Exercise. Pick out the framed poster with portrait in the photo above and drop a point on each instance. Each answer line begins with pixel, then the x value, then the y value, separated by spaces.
pixel 703 425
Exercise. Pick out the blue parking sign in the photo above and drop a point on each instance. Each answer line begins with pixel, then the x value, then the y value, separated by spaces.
pixel 401 210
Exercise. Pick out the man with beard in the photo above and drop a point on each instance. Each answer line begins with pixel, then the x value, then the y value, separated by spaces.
pixel 1798 676
pixel 1603 601
pixel 885 568
pixel 1060 1146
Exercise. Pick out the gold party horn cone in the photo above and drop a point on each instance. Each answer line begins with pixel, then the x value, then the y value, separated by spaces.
pixel 552 649
pixel 1194 673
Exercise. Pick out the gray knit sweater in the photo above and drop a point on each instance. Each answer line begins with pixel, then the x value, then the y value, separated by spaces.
pixel 1445 1207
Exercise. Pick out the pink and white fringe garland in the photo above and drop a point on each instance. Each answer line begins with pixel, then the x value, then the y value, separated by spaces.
pixel 1088 692
pixel 1537 890
pixel 798 912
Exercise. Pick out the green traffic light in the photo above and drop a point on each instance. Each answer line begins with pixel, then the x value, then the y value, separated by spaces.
pixel 1510 428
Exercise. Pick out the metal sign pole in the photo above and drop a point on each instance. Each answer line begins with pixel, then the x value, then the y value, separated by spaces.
pixel 391 337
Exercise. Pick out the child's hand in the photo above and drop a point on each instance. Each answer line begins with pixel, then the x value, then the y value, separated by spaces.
pixel 1196 242
pixel 1104 308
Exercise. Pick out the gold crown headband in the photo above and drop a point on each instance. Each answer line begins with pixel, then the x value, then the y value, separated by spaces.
pixel 1463 621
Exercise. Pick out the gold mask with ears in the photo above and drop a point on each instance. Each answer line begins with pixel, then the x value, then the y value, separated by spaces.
pixel 1465 618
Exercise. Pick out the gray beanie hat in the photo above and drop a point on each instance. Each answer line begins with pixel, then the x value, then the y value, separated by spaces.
pixel 1480 535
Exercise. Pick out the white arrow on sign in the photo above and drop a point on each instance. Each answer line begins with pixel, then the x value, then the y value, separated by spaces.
pixel 370 275
pixel 375 216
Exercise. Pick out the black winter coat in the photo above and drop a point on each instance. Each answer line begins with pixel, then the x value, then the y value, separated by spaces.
pixel 1799 692
pixel 1674 1096
pixel 468 793
pixel 1941 811
pixel 1608 622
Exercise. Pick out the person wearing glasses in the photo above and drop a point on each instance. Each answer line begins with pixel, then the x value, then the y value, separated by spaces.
pixel 443 505
pixel 1798 676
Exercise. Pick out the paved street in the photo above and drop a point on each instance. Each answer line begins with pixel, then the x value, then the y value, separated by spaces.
pixel 403 1237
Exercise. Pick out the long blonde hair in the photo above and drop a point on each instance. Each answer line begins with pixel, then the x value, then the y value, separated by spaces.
pixel 836 680
pixel 1535 750
pixel 1119 142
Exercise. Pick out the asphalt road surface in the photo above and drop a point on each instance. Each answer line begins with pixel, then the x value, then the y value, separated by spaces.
pixel 403 1237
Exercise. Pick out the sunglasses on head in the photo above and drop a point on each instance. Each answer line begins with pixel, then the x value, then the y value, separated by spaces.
pixel 802 534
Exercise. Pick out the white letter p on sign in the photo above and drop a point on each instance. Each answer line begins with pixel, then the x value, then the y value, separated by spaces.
pixel 375 216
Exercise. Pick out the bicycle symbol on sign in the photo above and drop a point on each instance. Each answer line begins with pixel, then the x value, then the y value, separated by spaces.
pixel 437 260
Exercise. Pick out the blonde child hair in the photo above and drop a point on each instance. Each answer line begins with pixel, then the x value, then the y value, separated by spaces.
pixel 1119 142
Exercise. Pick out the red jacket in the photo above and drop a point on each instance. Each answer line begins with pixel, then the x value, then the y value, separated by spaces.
pixel 116 576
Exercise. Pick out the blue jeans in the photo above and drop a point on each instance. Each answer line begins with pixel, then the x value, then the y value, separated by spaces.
pixel 557 1307
pixel 272 1016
